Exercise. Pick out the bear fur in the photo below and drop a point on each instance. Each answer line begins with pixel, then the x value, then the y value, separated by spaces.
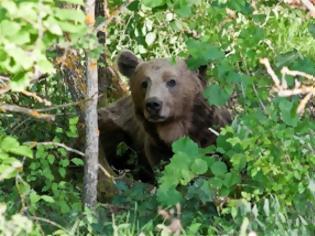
pixel 166 103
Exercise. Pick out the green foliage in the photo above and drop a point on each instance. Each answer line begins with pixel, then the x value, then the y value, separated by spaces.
pixel 10 164
pixel 27 29
pixel 259 177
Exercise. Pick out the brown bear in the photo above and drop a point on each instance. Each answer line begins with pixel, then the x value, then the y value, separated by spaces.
pixel 166 104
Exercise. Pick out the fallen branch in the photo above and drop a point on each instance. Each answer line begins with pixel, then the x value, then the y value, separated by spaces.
pixel 281 87
pixel 30 112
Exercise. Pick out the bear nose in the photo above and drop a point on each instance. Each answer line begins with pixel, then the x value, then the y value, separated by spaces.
pixel 153 105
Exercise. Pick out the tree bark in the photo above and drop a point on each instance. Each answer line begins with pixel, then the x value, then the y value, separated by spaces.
pixel 91 122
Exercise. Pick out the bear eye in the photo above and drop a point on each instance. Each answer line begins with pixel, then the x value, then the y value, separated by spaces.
pixel 144 84
pixel 171 83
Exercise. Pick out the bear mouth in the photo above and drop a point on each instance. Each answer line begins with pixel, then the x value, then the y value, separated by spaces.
pixel 156 118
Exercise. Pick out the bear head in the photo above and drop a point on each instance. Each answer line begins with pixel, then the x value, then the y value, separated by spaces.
pixel 162 90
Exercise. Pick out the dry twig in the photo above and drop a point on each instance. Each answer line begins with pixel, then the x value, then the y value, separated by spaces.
pixel 36 97
pixel 281 87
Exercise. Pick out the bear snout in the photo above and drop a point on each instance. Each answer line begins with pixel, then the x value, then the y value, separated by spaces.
pixel 153 106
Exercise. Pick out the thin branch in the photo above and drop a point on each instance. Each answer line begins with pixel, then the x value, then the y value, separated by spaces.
pixel 77 103
pixel 295 91
pixel 286 71
pixel 110 17
pixel 49 222
pixel 270 71
pixel 30 112
pixel 106 173
pixel 302 105
pixel 36 97
pixel 69 149
pixel 260 101
pixel 216 133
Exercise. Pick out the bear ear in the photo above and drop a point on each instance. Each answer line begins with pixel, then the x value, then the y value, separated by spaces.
pixel 202 74
pixel 127 63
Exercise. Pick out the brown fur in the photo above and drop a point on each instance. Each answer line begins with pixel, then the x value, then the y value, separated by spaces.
pixel 184 111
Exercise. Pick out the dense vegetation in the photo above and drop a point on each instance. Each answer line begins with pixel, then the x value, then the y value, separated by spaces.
pixel 261 177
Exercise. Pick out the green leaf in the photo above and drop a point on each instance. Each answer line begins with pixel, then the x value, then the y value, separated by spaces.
pixel 202 53
pixel 62 172
pixel 79 2
pixel 19 83
pixel 52 26
pixel 240 5
pixel 10 6
pixel 10 168
pixel 9 143
pixel 23 151
pixel 183 8
pixel 73 120
pixel 21 38
pixel 64 162
pixel 168 196
pixel 185 145
pixel 287 58
pixel 45 66
pixel 77 161
pixel 34 197
pixel 19 55
pixel 288 112
pixel 133 6
pixel 218 168
pixel 193 229
pixel 9 28
pixel 216 95
pixel 231 179
pixel 154 3
pixel 70 14
pixel 71 28
pixel 47 198
pixel 199 166
pixel 311 29
pixel 186 176
pixel 22 186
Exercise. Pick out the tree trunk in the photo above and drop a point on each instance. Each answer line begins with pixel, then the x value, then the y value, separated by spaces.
pixel 74 75
pixel 91 122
